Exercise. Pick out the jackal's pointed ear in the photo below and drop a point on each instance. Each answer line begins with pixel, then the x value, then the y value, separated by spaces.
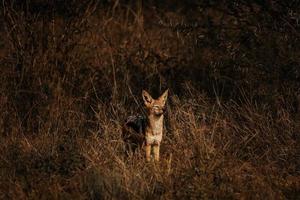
pixel 147 97
pixel 163 98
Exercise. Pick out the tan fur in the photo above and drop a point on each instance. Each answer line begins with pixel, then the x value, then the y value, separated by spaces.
pixel 152 135
pixel 154 128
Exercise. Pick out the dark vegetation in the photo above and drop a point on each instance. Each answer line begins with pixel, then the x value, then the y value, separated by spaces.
pixel 71 71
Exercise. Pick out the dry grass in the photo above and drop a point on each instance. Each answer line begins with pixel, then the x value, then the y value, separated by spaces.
pixel 69 78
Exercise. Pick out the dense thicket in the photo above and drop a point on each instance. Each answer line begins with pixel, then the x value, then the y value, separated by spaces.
pixel 71 71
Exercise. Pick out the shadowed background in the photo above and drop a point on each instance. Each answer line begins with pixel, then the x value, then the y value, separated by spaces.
pixel 71 71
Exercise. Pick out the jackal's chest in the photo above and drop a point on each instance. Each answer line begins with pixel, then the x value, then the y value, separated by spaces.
pixel 157 129
pixel 153 139
pixel 154 134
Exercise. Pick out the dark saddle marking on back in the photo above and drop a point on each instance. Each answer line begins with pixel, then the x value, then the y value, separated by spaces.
pixel 134 132
pixel 137 123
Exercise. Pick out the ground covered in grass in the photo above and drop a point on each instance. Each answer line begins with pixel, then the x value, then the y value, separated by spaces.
pixel 72 71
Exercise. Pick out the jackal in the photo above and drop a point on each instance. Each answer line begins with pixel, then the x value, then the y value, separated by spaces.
pixel 147 130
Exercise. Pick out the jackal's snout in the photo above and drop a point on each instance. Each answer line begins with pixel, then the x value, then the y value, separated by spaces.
pixel 158 110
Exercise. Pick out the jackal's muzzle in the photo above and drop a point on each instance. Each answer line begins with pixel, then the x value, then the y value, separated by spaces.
pixel 158 110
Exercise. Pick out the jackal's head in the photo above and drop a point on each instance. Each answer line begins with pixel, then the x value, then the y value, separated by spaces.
pixel 155 106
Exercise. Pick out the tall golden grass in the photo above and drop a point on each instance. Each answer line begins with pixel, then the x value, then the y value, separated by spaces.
pixel 71 73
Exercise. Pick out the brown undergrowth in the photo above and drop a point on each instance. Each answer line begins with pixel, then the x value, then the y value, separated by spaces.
pixel 72 72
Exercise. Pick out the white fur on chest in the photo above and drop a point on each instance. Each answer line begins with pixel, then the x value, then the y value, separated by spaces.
pixel 157 128
pixel 154 131
pixel 153 139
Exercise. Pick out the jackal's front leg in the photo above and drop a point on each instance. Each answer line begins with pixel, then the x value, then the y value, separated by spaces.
pixel 156 152
pixel 148 152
